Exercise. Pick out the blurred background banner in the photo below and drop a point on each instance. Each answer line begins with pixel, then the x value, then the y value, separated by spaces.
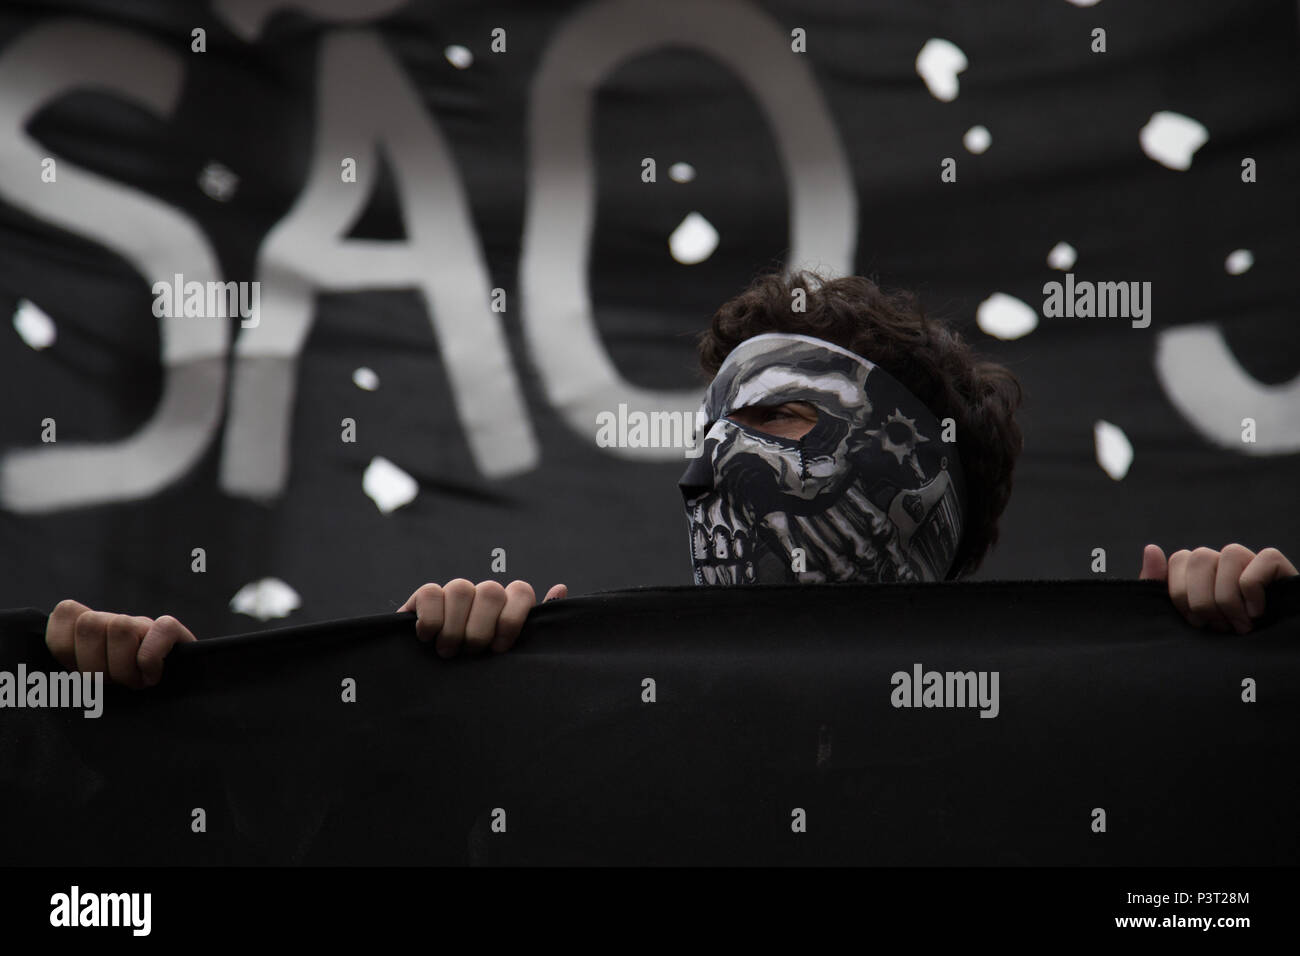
pixel 464 234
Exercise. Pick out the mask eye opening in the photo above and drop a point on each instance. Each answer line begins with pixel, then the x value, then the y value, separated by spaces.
pixel 776 419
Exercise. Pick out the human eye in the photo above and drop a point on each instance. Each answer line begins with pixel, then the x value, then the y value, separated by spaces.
pixel 788 419
pixel 800 411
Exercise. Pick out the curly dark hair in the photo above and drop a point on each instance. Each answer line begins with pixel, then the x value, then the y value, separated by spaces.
pixel 926 355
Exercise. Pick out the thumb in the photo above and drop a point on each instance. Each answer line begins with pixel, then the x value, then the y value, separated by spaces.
pixel 1154 565
pixel 559 591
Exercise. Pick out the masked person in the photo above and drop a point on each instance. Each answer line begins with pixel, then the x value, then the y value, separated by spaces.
pixel 869 492
pixel 853 440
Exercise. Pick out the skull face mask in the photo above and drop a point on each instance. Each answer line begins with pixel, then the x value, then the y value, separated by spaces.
pixel 870 494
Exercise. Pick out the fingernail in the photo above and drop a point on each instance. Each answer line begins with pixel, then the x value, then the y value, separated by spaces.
pixel 1195 620
pixel 1242 627
pixel 1254 608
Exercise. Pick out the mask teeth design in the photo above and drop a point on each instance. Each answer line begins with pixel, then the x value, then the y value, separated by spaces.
pixel 721 548
pixel 735 572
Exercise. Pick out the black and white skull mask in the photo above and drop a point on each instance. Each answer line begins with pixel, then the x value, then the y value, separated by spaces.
pixel 872 493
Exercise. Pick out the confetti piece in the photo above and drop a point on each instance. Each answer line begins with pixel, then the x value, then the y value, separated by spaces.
pixel 1114 451
pixel 1063 256
pixel 681 172
pixel 1171 139
pixel 938 64
pixel 977 139
pixel 458 56
pixel 265 599
pixel 1239 261
pixel 694 240
pixel 1005 317
pixel 33 325
pixel 218 182
pixel 387 485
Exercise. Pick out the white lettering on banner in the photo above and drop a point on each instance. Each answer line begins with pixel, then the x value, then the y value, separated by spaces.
pixel 576 370
pixel 367 103
pixel 157 240
pixel 364 102
pixel 1206 383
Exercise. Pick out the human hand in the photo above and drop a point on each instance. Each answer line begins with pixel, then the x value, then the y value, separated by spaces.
pixel 128 649
pixel 474 616
pixel 1224 589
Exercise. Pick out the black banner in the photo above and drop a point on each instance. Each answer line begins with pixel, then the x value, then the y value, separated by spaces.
pixel 1087 724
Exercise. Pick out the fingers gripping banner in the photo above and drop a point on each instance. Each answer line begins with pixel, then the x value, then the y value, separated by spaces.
pixel 958 723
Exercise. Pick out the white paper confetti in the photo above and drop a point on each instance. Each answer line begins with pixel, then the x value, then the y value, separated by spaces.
pixel 1063 256
pixel 1005 317
pixel 265 599
pixel 387 485
pixel 1114 451
pixel 218 182
pixel 1171 139
pixel 365 378
pixel 681 172
pixel 1239 261
pixel 938 64
pixel 977 139
pixel 458 56
pixel 33 325
pixel 693 240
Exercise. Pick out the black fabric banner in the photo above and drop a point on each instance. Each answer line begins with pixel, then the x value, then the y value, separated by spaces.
pixel 1116 735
